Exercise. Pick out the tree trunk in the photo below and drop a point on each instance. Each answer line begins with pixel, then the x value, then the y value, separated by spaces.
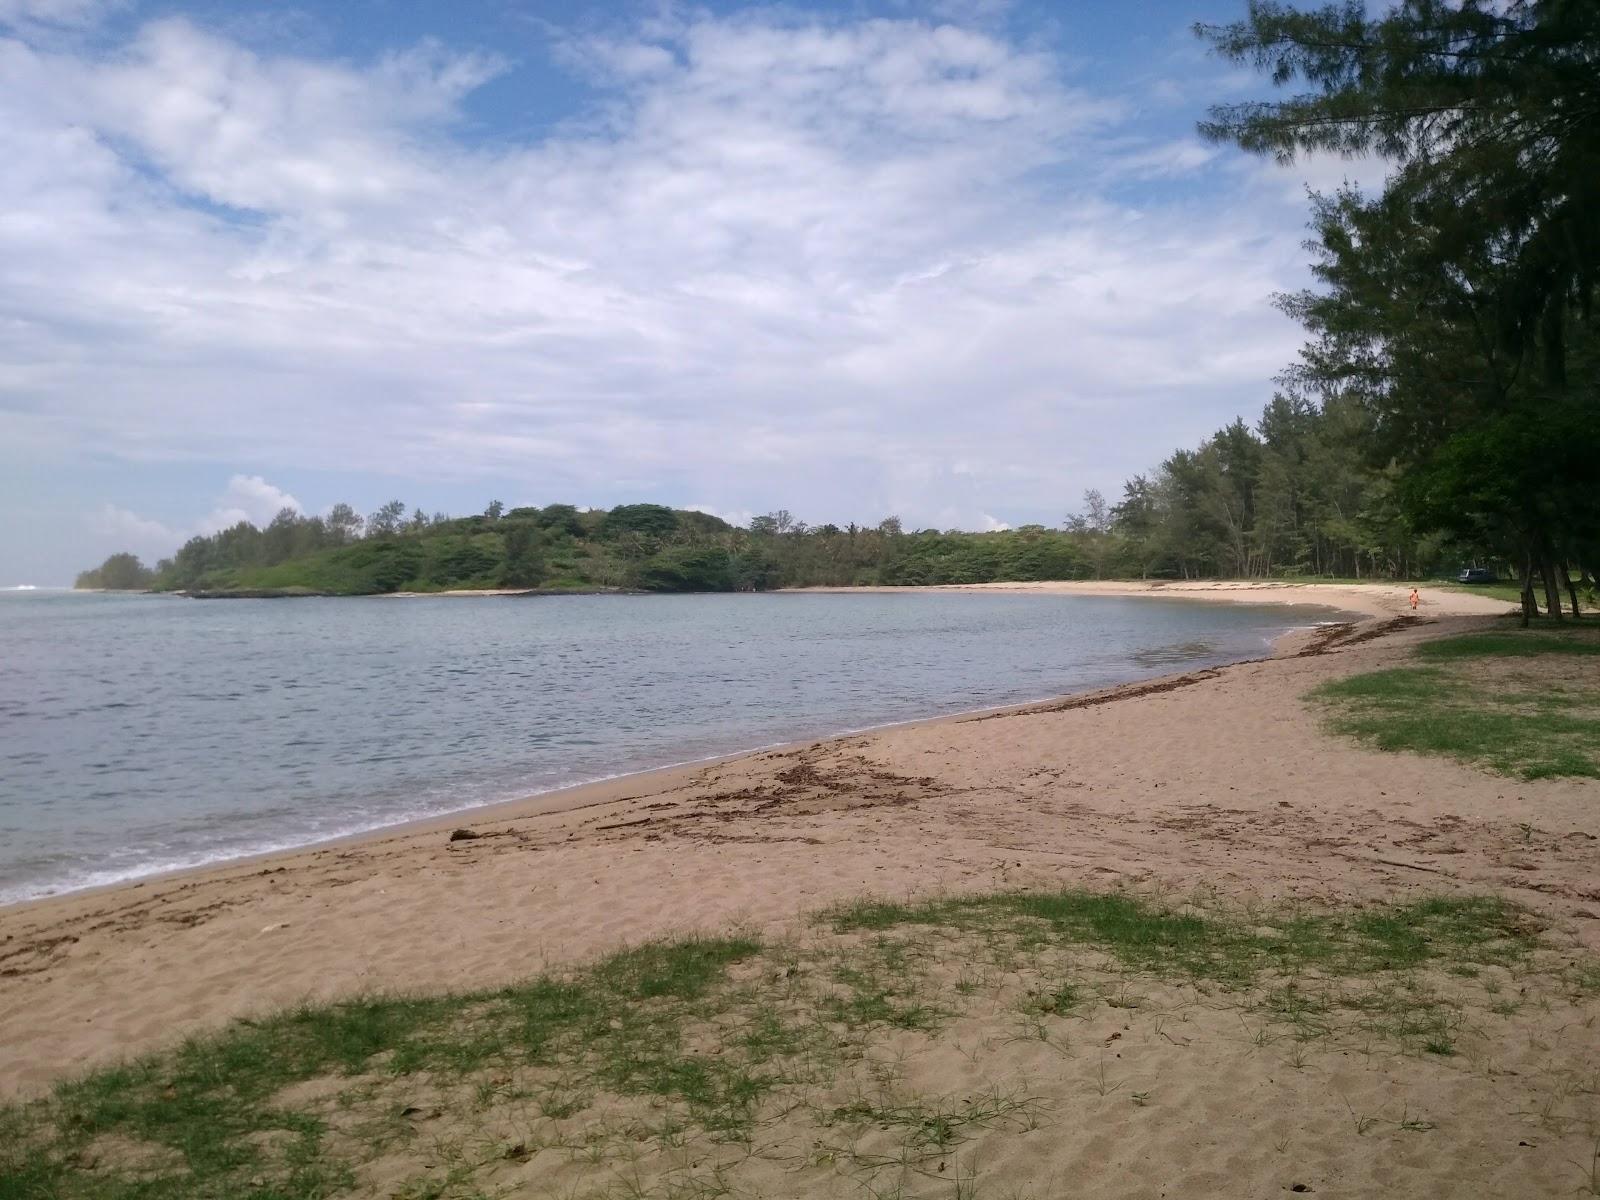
pixel 1529 607
pixel 1552 593
pixel 1572 590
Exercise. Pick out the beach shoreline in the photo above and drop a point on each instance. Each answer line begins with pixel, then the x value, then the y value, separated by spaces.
pixel 753 838
pixel 1376 598
pixel 1371 599
pixel 1338 604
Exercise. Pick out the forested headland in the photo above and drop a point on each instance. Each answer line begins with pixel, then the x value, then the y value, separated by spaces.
pixel 1445 409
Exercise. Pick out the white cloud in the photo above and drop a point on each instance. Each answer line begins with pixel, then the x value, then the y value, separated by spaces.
pixel 789 263
pixel 247 498
pixel 990 525
pixel 1168 160
pixel 736 517
pixel 71 13
pixel 1321 172
pixel 119 524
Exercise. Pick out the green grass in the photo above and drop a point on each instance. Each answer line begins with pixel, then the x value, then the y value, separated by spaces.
pixel 1149 937
pixel 199 1106
pixel 1469 702
pixel 1510 592
pixel 936 1124
pixel 1578 642
pixel 713 1039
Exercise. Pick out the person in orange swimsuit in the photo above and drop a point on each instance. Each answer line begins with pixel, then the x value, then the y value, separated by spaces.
pixel 1415 599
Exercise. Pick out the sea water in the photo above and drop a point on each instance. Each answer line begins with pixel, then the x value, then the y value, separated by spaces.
pixel 141 734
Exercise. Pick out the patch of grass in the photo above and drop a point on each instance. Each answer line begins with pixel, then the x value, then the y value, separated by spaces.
pixel 1585 977
pixel 1460 930
pixel 681 970
pixel 662 1068
pixel 1505 643
pixel 1508 591
pixel 1135 931
pixel 1403 1009
pixel 1395 686
pixel 876 987
pixel 200 1112
pixel 1470 703
pixel 1146 935
pixel 938 1124
pixel 1061 999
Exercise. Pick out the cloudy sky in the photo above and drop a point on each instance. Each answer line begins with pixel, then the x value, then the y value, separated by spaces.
pixel 955 261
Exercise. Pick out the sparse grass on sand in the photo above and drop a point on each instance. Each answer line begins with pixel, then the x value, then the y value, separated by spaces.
pixel 724 1066
pixel 1522 702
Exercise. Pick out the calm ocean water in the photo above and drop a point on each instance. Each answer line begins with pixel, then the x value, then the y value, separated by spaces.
pixel 140 734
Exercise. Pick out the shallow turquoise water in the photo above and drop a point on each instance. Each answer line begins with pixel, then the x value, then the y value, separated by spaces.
pixel 145 733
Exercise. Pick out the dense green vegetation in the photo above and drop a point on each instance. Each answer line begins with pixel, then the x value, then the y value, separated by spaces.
pixel 1173 525
pixel 643 546
pixel 1446 409
pixel 119 573
pixel 1455 311
pixel 1476 698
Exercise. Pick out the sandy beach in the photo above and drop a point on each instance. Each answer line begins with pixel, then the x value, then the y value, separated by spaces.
pixel 1220 781
pixel 1372 599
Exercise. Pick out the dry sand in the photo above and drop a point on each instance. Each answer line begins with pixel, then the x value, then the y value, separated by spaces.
pixel 1218 779
pixel 1372 599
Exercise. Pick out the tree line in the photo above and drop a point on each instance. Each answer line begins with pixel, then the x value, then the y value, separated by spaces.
pixel 1244 504
pixel 1455 308
pixel 644 547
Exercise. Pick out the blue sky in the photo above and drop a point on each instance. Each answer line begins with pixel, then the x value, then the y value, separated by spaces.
pixel 953 261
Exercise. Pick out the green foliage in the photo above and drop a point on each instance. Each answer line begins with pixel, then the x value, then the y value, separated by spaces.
pixel 1295 497
pixel 931 557
pixel 524 554
pixel 689 569
pixel 390 564
pixel 1455 308
pixel 119 573
pixel 654 521
pixel 560 519
pixel 460 561
pixel 1162 530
